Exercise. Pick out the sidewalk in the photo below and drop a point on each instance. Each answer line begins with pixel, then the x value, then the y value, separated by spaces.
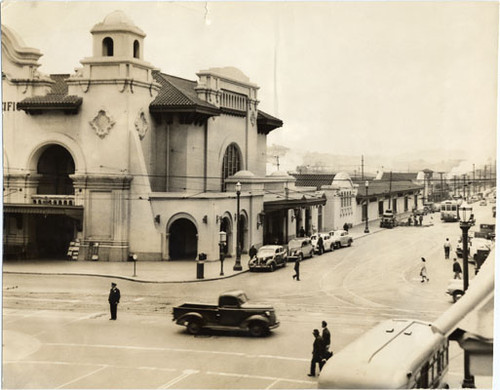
pixel 178 271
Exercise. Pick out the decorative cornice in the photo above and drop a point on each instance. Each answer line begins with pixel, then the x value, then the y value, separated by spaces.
pixel 103 182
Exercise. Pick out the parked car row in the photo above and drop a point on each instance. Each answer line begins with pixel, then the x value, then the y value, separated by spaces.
pixel 270 257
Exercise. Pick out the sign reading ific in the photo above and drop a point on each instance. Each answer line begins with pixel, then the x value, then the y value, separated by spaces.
pixel 10 106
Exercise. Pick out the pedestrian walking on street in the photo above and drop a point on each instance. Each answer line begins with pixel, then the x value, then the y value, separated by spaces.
pixel 325 334
pixel 457 269
pixel 296 267
pixel 423 272
pixel 252 252
pixel 447 247
pixel 321 248
pixel 114 300
pixel 421 219
pixel 346 227
pixel 317 354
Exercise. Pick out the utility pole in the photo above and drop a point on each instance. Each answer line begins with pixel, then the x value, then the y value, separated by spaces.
pixel 473 179
pixel 441 190
pixel 362 167
pixel 464 175
pixel 278 161
pixel 390 190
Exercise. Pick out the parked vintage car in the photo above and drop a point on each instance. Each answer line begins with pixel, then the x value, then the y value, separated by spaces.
pixel 328 243
pixel 488 229
pixel 300 248
pixel 431 207
pixel 233 312
pixel 455 288
pixel 341 238
pixel 388 219
pixel 269 257
pixel 478 248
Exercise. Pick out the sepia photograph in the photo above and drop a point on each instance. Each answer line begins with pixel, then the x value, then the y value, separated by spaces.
pixel 249 195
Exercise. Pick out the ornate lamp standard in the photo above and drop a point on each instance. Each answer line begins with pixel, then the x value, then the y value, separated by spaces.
pixel 237 264
pixel 465 224
pixel 367 202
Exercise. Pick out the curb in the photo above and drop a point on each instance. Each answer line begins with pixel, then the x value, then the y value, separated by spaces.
pixel 128 278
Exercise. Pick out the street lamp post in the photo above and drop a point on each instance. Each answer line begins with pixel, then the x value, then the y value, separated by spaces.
pixel 237 264
pixel 367 202
pixel 465 224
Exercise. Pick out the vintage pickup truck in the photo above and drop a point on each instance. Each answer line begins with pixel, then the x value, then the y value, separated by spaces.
pixel 232 313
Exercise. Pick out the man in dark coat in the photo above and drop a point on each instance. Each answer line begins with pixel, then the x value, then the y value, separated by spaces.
pixel 302 232
pixel 346 227
pixel 296 267
pixel 252 252
pixel 321 247
pixel 114 299
pixel 326 337
pixel 318 353
pixel 457 269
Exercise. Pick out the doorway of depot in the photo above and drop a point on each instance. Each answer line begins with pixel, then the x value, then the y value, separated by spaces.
pixel 183 240
pixel 53 235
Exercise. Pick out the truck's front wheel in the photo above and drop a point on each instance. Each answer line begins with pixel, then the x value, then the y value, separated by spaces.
pixel 193 327
pixel 257 329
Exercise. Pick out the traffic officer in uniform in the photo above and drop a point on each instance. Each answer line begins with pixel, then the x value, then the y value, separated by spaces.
pixel 114 299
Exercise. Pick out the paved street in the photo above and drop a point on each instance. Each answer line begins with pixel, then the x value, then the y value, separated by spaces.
pixel 57 333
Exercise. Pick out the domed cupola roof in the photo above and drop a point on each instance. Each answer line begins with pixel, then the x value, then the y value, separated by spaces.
pixel 117 21
pixel 342 177
pixel 244 175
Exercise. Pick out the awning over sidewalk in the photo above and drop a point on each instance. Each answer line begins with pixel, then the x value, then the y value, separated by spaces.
pixel 286 204
pixel 75 212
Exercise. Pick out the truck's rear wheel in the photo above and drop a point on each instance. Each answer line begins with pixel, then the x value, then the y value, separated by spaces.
pixel 193 327
pixel 257 329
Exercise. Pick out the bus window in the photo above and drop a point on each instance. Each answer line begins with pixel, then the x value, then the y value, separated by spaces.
pixel 423 380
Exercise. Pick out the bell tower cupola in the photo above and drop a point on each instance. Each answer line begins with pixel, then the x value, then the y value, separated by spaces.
pixel 117 53
pixel 117 36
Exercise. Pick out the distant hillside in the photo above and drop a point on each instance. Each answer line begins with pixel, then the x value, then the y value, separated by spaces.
pixel 434 159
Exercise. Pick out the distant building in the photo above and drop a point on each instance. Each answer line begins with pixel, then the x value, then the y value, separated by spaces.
pixel 340 194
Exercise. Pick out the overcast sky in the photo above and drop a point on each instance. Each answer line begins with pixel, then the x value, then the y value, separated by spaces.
pixel 345 77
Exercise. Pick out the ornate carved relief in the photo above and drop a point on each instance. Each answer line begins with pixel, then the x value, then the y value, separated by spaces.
pixel 102 123
pixel 141 124
pixel 252 119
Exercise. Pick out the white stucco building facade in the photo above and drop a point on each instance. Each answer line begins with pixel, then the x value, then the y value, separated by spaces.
pixel 127 159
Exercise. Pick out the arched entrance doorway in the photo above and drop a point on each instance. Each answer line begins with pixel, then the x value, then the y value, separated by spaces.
pixel 183 240
pixel 55 165
pixel 54 231
pixel 225 226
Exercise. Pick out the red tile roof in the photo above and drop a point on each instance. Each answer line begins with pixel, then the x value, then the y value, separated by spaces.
pixel 57 98
pixel 179 95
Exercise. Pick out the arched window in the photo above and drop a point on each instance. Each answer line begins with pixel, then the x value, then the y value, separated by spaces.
pixel 231 164
pixel 136 49
pixel 107 47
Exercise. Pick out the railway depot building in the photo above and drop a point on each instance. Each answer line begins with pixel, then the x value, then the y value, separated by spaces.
pixel 123 158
